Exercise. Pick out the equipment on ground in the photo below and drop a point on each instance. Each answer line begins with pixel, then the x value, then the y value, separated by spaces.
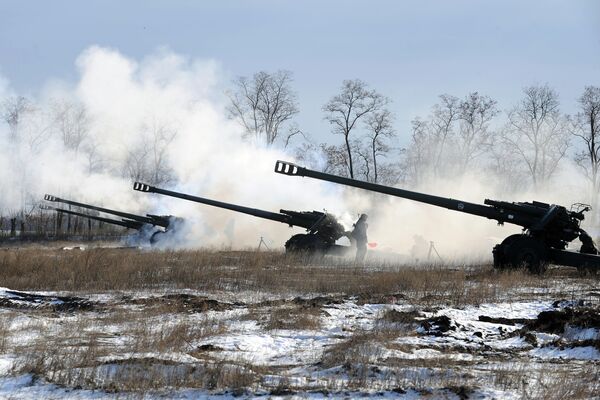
pixel 547 228
pixel 323 229
pixel 168 223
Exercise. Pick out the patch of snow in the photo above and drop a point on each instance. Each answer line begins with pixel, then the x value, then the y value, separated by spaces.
pixel 6 364
pixel 512 310
pixel 576 333
pixel 515 342
pixel 349 316
pixel 68 248
pixel 276 348
pixel 543 338
pixel 174 357
pixel 576 353
pixel 26 387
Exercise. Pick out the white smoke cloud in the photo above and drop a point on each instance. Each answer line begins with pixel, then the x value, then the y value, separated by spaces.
pixel 123 97
pixel 207 154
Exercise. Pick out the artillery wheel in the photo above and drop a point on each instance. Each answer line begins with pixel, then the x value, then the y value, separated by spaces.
pixel 527 252
pixel 500 254
pixel 157 237
pixel 303 243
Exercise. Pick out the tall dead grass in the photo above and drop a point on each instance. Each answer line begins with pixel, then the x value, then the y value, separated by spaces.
pixel 106 269
pixel 4 332
pixel 143 355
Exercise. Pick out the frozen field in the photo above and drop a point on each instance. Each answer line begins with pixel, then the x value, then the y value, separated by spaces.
pixel 246 324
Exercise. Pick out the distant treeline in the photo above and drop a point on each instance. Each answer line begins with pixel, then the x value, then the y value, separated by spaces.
pixel 523 147
pixel 53 225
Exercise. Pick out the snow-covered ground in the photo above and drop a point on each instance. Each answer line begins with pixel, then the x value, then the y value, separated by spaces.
pixel 186 344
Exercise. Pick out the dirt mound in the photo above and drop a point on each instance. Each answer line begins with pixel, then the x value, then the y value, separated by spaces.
pixel 24 301
pixel 181 302
pixel 392 298
pixel 401 317
pixel 208 347
pixel 504 321
pixel 316 302
pixel 143 361
pixel 554 321
pixel 437 325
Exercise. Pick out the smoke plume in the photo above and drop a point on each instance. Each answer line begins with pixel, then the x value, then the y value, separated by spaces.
pixel 164 117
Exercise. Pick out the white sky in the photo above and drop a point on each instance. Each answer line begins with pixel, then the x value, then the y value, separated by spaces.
pixel 411 51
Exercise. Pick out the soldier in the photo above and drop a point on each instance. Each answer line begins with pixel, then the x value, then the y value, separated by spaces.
pixel 359 234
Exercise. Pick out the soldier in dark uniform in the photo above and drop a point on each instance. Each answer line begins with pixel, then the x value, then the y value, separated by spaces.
pixel 587 243
pixel 359 234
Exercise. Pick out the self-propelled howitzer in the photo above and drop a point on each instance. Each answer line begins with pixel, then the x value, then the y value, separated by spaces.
pixel 547 228
pixel 132 221
pixel 323 229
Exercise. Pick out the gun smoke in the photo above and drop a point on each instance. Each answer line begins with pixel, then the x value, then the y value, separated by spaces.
pixel 163 117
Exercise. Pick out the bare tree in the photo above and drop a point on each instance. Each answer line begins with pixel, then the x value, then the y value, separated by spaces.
pixel 13 109
pixel 364 160
pixel 441 130
pixel 507 169
pixel 394 172
pixel 474 137
pixel 308 154
pixel 72 122
pixel 586 128
pixel 380 125
pixel 450 138
pixel 93 156
pixel 429 152
pixel 420 155
pixel 336 159
pixel 344 110
pixel 136 163
pixel 294 131
pixel 31 125
pixel 244 102
pixel 537 132
pixel 148 162
pixel 263 104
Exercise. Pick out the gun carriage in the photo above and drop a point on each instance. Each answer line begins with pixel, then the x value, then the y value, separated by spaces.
pixel 322 229
pixel 547 228
pixel 165 223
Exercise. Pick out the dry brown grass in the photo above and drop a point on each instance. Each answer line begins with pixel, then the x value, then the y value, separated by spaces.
pixel 4 332
pixel 362 347
pixel 585 385
pixel 294 318
pixel 79 352
pixel 137 375
pixel 553 381
pixel 150 335
pixel 260 272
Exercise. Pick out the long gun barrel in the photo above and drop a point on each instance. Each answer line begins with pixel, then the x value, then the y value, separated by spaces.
pixel 150 219
pixel 325 225
pixel 500 214
pixel 142 187
pixel 548 228
pixel 124 223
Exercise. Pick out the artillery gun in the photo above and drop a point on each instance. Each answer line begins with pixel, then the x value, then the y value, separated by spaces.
pixel 168 223
pixel 547 228
pixel 124 222
pixel 323 229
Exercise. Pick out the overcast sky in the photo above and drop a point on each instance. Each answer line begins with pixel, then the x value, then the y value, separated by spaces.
pixel 411 51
